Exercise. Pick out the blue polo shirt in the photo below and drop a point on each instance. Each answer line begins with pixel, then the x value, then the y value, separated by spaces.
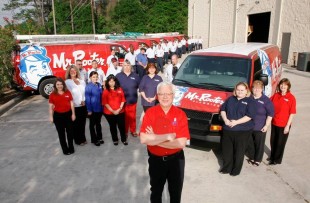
pixel 264 108
pixel 148 85
pixel 130 85
pixel 236 109
pixel 141 58
pixel 93 94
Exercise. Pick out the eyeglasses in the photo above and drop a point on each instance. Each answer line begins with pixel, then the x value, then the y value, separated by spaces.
pixel 164 94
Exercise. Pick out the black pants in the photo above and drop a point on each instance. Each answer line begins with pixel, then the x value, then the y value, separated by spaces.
pixel 183 49
pixel 179 52
pixel 277 143
pixel 140 71
pixel 199 46
pixel 171 170
pixel 256 146
pixel 79 125
pixel 166 55
pixel 234 144
pixel 114 122
pixel 160 64
pixel 151 60
pixel 95 127
pixel 63 124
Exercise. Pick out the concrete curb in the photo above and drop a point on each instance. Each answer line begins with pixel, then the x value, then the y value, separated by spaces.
pixel 8 105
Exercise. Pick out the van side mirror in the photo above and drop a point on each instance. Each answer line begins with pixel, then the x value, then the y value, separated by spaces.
pixel 264 79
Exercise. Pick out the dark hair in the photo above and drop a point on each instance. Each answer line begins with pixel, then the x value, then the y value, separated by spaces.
pixel 78 60
pixel 94 61
pixel 287 82
pixel 149 65
pixel 63 83
pixel 93 73
pixel 112 77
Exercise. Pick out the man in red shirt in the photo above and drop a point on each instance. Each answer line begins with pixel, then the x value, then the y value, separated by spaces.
pixel 165 132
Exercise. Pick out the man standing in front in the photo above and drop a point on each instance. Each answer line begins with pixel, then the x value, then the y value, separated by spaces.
pixel 165 132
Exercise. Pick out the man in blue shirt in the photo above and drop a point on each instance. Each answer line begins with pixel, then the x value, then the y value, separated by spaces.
pixel 141 62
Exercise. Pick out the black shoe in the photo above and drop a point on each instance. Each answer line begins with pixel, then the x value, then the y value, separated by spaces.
pixel 125 143
pixel 97 143
pixel 223 172
pixel 101 142
pixel 272 163
pixel 67 153
pixel 250 161
pixel 232 174
pixel 115 143
pixel 72 152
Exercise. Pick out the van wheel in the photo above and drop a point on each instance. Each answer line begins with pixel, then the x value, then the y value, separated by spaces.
pixel 47 87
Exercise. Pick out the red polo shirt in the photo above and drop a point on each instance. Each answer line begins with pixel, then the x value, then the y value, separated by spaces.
pixel 283 107
pixel 174 121
pixel 114 98
pixel 61 101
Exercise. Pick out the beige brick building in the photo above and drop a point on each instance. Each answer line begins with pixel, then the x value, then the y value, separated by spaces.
pixel 285 23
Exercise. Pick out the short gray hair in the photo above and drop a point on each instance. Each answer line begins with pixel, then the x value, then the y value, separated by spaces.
pixel 164 83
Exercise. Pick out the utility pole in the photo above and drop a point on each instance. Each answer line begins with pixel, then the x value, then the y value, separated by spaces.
pixel 55 32
pixel 92 16
pixel 72 23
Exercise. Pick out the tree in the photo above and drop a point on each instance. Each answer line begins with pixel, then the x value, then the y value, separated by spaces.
pixel 31 11
pixel 7 43
pixel 150 16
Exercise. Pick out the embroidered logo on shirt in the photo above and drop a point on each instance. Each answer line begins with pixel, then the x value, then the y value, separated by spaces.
pixel 243 102
pixel 174 122
pixel 67 96
pixel 261 102
pixel 285 99
pixel 156 80
pixel 132 78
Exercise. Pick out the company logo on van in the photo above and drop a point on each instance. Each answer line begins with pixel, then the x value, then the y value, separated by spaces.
pixel 199 99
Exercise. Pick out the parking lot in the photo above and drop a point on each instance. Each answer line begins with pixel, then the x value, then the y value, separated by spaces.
pixel 33 168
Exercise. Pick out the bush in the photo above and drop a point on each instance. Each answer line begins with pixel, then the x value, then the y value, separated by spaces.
pixel 7 42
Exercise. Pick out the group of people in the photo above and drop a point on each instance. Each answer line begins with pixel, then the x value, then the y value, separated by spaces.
pixel 246 120
pixel 93 94
pixel 164 128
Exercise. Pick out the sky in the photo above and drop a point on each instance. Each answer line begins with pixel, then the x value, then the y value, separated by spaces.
pixel 4 13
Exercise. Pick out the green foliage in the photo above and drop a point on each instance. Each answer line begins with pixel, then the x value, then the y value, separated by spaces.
pixel 151 16
pixel 7 43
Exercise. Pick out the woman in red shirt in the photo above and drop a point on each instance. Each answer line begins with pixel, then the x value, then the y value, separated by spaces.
pixel 62 114
pixel 113 100
pixel 285 108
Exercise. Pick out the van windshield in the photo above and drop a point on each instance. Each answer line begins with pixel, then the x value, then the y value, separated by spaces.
pixel 213 72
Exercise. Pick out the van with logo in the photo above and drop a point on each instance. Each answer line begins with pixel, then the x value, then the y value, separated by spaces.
pixel 207 77
pixel 36 65
pixel 134 42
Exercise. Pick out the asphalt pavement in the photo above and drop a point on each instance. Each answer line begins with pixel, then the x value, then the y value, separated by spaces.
pixel 33 168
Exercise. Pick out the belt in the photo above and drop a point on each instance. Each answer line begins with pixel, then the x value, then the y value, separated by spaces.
pixel 165 158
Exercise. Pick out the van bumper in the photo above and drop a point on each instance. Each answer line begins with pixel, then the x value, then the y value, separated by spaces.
pixel 214 138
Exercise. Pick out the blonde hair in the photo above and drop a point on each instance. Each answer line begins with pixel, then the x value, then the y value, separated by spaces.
pixel 246 87
pixel 68 76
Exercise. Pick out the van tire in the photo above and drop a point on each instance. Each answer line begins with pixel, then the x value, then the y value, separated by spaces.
pixel 46 87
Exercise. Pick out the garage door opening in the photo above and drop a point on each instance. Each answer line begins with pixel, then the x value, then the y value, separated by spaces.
pixel 259 27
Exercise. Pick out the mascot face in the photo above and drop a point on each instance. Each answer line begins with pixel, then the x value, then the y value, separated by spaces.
pixel 179 94
pixel 34 65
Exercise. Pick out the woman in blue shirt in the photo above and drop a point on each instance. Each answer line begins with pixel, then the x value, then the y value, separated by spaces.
pixel 148 86
pixel 93 94
pixel 238 112
pixel 262 120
